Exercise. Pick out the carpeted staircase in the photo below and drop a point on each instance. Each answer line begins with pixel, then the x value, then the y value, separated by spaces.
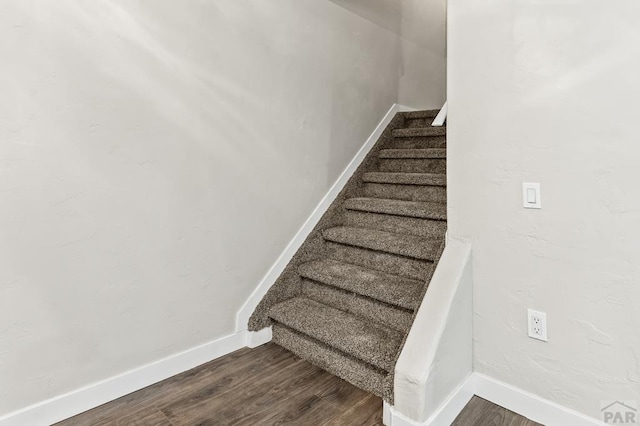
pixel 347 299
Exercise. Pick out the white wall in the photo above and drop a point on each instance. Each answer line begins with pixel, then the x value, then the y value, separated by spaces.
pixel 549 92
pixel 155 158
pixel 421 29
pixel 424 62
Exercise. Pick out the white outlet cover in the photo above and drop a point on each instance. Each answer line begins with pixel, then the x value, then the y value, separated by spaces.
pixel 537 325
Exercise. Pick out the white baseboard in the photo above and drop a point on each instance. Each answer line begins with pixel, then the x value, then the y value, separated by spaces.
pixel 445 414
pixel 452 406
pixel 258 338
pixel 70 404
pixel 285 257
pixel 527 404
pixel 517 400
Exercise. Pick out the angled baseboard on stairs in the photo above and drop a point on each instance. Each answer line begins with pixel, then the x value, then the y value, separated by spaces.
pixel 343 296
pixel 242 318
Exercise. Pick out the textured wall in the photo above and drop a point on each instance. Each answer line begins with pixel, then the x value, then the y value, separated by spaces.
pixel 549 92
pixel 155 159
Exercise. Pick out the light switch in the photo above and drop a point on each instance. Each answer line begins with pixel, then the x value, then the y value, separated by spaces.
pixel 531 195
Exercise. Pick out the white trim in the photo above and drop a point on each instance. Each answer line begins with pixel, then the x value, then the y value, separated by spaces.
pixel 70 404
pixel 258 338
pixel 517 400
pixel 441 117
pixel 453 405
pixel 445 414
pixel 527 404
pixel 285 257
pixel 386 413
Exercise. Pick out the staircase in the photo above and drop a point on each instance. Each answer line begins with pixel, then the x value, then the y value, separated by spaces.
pixel 347 299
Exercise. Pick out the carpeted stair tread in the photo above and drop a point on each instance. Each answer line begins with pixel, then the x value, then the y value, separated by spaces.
pixel 388 242
pixel 400 178
pixel 374 344
pixel 429 153
pixel 392 289
pixel 430 113
pixel 397 224
pixel 419 209
pixel 413 132
pixel 363 307
pixel 390 263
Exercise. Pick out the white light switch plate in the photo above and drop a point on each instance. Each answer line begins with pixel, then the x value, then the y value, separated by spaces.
pixel 531 196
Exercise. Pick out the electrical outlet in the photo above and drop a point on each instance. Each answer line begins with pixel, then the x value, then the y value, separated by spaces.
pixel 537 325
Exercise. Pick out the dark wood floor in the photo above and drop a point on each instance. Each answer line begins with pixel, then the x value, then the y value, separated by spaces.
pixel 480 412
pixel 263 386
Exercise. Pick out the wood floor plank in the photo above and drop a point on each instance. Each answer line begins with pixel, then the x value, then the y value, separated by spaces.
pixel 304 409
pixel 175 387
pixel 281 395
pixel 342 394
pixel 480 412
pixel 288 393
pixel 367 413
pixel 149 416
pixel 233 381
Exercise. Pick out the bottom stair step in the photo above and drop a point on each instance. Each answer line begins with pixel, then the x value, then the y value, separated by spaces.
pixel 371 343
pixel 335 362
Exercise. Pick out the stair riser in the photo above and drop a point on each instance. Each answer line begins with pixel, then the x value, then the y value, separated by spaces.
pixel 436 194
pixel 391 264
pixel 418 122
pixel 365 307
pixel 417 143
pixel 335 362
pixel 413 165
pixel 397 224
